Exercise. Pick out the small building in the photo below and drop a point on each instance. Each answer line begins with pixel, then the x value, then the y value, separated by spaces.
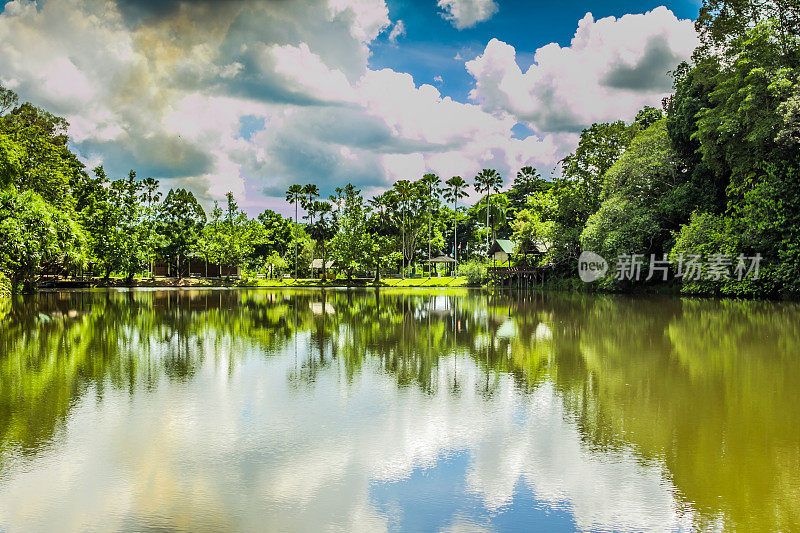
pixel 442 260
pixel 193 267
pixel 316 268
pixel 502 250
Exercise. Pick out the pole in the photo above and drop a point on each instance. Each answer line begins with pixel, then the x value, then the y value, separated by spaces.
pixel 487 220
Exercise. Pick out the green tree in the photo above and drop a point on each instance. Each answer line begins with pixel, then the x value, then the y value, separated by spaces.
pixel 527 182
pixel 433 188
pixel 293 196
pixel 488 181
pixel 36 235
pixel 180 222
pixel 456 189
pixel 352 246
pixel 322 230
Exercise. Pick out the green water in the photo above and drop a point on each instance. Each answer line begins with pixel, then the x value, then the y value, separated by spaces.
pixel 362 411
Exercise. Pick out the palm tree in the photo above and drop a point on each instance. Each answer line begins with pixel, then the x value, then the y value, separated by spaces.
pixel 293 197
pixel 488 180
pixel 322 230
pixel 310 194
pixel 404 191
pixel 150 196
pixel 432 184
pixel 454 191
pixel 498 210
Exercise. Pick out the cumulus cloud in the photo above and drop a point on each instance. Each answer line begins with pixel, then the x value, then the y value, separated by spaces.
pixel 612 68
pixel 398 30
pixel 467 13
pixel 251 97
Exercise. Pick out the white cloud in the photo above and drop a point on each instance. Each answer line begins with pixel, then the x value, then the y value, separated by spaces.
pixel 168 95
pixel 398 30
pixel 467 13
pixel 612 68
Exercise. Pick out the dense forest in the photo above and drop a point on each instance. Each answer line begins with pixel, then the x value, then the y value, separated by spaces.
pixel 716 171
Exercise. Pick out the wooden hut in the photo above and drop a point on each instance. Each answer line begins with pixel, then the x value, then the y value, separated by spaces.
pixel 441 260
pixel 520 264
pixel 316 268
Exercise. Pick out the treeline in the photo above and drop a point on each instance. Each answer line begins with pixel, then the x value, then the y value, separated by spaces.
pixel 714 172
pixel 717 174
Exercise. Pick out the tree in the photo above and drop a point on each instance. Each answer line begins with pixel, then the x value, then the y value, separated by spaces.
pixel 352 246
pixel 8 100
pixel 432 184
pixel 150 198
pixel 323 229
pixel 455 190
pixel 527 182
pixel 293 195
pixel 488 181
pixel 100 216
pixel 722 23
pixel 277 234
pixel 130 251
pixel 737 129
pixel 40 160
pixel 497 212
pixel 180 222
pixel 36 235
pixel 211 242
pixel 403 191
pixel 383 232
pixel 310 194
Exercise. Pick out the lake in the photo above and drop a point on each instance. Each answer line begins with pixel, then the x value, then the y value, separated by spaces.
pixel 256 410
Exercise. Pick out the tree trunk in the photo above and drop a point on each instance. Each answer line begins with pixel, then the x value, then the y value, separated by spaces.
pixel 455 229
pixel 487 223
pixel 430 271
pixel 324 266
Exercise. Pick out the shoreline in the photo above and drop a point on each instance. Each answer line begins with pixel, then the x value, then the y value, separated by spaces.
pixel 211 283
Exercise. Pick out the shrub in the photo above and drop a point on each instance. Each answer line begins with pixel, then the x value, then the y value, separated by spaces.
pixel 474 270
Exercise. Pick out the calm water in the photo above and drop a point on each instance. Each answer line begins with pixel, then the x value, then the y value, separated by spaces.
pixel 352 411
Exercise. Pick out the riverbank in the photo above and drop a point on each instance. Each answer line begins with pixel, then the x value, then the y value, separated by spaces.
pixel 442 282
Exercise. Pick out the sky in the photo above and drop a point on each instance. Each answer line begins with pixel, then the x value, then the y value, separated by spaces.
pixel 253 96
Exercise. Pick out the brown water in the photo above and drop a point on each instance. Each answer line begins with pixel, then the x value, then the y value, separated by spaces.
pixel 347 410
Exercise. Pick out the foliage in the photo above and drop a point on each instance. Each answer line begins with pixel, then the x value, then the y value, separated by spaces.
pixel 35 235
pixel 181 221
pixel 352 247
pixel 475 270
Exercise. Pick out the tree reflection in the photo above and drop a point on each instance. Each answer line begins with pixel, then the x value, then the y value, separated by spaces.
pixel 707 388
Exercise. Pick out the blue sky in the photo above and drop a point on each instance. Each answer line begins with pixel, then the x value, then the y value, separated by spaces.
pixel 251 96
pixel 431 43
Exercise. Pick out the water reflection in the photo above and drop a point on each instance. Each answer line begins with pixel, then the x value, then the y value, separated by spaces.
pixel 215 410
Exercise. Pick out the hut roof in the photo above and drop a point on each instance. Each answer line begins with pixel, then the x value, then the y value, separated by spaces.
pixel 317 263
pixel 442 259
pixel 502 245
pixel 535 246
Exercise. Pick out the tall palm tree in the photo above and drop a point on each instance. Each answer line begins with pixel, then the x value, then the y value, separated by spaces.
pixel 293 197
pixel 309 195
pixel 455 189
pixel 323 230
pixel 404 191
pixel 488 180
pixel 432 184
